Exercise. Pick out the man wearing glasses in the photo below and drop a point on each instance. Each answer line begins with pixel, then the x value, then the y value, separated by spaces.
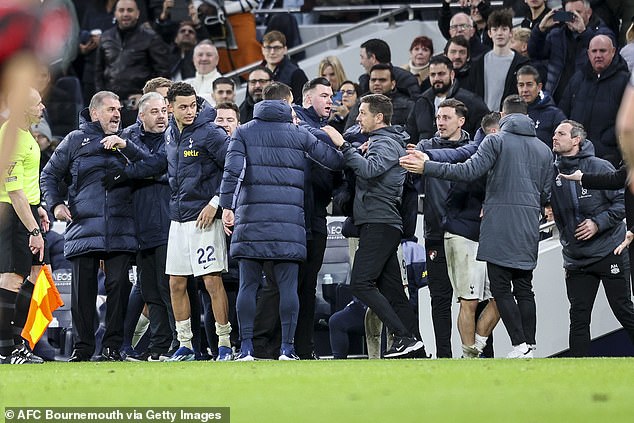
pixel 259 78
pixel 284 70
pixel 463 24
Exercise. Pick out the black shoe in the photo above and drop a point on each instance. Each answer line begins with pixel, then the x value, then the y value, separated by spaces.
pixel 310 356
pixel 22 355
pixel 404 346
pixel 110 354
pixel 77 356
pixel 146 356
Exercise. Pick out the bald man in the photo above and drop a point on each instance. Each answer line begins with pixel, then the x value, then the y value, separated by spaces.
pixel 593 96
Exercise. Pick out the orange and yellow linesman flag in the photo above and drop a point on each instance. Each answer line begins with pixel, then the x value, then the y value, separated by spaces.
pixel 44 302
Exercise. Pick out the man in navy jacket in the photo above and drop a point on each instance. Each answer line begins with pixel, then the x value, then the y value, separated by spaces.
pixel 196 149
pixel 262 194
pixel 100 223
pixel 150 187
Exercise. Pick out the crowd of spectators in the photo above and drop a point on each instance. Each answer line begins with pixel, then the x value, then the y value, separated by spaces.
pixel 133 56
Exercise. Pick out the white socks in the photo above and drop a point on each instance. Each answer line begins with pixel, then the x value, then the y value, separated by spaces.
pixel 184 333
pixel 223 332
pixel 480 342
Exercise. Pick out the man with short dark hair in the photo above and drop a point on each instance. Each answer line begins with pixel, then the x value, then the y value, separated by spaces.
pixel 594 94
pixel 590 224
pixel 227 116
pixel 223 90
pixel 376 276
pixel 100 223
pixel 421 122
pixel 196 149
pixel 259 78
pixel 541 107
pixel 382 81
pixel 373 52
pixel 452 229
pixel 509 233
pixel 275 51
pixel 458 51
pixel 182 51
pixel 450 118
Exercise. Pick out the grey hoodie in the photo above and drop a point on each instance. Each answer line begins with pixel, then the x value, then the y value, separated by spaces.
pixel 519 174
pixel 380 178
pixel 573 203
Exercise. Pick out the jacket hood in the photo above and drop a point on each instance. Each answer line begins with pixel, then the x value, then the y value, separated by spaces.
pixel 273 111
pixel 395 132
pixel 86 124
pixel 568 164
pixel 464 138
pixel 310 116
pixel 205 113
pixel 518 123
pixel 542 101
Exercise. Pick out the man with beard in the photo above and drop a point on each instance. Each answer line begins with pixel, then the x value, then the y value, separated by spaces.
pixel 100 223
pixel 458 51
pixel 128 55
pixel 259 78
pixel 183 52
pixel 152 223
pixel 421 123
pixel 541 107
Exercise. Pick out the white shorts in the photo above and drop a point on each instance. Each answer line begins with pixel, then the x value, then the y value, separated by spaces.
pixel 193 251
pixel 468 276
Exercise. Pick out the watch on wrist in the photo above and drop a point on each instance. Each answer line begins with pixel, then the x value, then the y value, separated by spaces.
pixel 346 145
pixel 35 232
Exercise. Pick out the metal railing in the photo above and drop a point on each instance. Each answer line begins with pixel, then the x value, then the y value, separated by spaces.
pixel 338 35
pixel 379 8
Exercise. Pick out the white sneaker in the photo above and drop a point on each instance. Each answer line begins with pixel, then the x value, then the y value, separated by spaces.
pixel 521 351
pixel 470 352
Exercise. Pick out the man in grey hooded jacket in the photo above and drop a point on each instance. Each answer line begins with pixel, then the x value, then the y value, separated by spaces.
pixel 590 224
pixel 519 171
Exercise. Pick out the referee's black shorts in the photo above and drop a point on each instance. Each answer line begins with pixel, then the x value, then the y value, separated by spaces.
pixel 15 254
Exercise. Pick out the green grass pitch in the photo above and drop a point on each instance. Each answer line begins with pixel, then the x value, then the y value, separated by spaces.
pixel 539 390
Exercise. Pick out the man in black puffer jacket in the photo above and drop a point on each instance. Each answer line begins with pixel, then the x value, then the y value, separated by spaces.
pixel 590 224
pixel 129 54
pixel 100 223
pixel 594 94
pixel 149 186
pixel 421 122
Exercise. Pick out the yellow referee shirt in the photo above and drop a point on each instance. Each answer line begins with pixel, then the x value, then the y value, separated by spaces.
pixel 23 171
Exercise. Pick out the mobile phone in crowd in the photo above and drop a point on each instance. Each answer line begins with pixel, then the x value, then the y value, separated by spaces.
pixel 563 16
pixel 336 98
